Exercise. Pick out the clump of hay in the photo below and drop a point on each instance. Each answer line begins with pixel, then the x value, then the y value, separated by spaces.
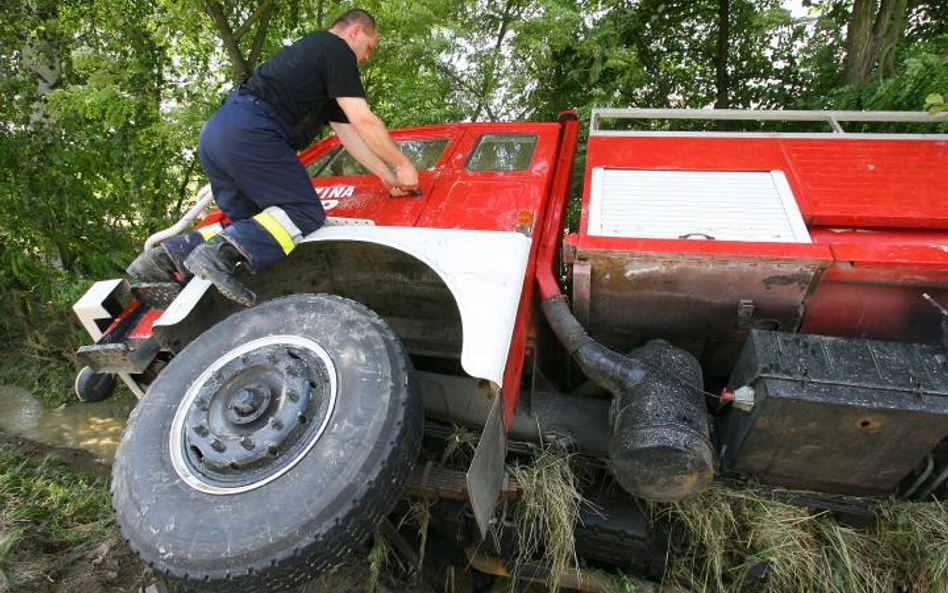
pixel 460 446
pixel 915 538
pixel 547 512
pixel 707 525
pixel 721 534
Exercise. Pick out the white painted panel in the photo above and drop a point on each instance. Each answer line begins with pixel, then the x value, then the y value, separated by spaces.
pixel 182 304
pixel 484 270
pixel 89 308
pixel 756 206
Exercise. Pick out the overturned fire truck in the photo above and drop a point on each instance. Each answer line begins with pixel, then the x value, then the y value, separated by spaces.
pixel 737 305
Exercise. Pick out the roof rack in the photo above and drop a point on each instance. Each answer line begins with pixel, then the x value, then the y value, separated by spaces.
pixel 833 119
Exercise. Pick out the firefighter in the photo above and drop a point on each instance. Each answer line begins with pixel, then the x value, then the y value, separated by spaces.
pixel 248 149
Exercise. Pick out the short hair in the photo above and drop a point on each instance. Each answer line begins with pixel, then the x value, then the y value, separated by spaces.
pixel 353 16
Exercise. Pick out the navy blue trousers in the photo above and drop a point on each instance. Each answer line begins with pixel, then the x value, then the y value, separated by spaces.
pixel 257 180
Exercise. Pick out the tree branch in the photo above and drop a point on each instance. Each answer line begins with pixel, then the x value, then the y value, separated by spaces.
pixel 238 63
pixel 261 35
pixel 262 12
pixel 505 20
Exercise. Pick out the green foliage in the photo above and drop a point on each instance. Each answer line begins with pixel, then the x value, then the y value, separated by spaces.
pixel 935 104
pixel 379 559
pixel 923 73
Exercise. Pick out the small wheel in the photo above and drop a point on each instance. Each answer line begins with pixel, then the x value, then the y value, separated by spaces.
pixel 91 386
pixel 270 447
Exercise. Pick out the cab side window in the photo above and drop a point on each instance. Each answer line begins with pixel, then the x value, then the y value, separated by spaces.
pixel 422 153
pixel 315 167
pixel 502 152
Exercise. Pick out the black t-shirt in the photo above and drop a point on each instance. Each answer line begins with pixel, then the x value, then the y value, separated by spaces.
pixel 303 80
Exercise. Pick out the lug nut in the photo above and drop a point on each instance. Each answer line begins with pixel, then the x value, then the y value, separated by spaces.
pixel 276 423
pixel 218 445
pixel 202 403
pixel 201 430
pixel 247 443
pixel 293 395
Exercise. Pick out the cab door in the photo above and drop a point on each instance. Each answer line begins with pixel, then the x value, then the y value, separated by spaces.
pixel 348 190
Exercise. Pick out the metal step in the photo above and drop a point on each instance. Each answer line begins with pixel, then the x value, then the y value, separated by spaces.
pixel 118 357
pixel 156 295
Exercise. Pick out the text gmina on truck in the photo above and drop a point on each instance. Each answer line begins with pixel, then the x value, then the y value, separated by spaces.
pixel 734 306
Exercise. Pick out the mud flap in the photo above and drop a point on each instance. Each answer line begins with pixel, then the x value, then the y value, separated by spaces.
pixel 485 477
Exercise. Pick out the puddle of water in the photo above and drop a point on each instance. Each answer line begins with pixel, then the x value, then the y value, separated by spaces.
pixel 95 427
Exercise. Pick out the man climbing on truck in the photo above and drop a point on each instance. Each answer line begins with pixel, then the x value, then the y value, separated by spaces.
pixel 248 149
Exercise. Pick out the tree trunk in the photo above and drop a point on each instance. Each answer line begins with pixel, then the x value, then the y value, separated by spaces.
pixel 872 39
pixel 722 79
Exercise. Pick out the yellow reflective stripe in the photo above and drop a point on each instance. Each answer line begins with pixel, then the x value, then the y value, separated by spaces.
pixel 210 230
pixel 276 229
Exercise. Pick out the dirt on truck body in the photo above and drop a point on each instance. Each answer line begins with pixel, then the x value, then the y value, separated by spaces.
pixel 743 306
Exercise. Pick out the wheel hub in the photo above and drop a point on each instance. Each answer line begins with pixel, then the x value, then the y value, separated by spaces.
pixel 253 414
pixel 248 404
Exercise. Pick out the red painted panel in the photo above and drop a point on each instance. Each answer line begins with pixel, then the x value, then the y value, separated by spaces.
pixel 892 310
pixel 142 329
pixel 909 250
pixel 874 289
pixel 452 197
pixel 873 182
pixel 494 200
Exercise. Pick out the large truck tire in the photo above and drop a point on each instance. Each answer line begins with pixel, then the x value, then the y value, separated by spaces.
pixel 270 447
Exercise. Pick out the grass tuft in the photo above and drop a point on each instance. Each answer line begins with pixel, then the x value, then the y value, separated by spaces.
pixel 49 516
pixel 380 557
pixel 547 513
pixel 419 516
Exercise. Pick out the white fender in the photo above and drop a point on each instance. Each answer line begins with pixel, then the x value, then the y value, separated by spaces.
pixel 484 270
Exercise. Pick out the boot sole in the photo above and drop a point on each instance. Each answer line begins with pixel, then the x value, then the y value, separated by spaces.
pixel 227 286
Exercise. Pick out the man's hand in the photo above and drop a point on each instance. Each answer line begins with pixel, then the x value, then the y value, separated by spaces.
pixel 407 176
pixel 391 184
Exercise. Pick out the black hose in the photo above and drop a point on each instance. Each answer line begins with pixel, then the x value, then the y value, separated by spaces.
pixel 607 368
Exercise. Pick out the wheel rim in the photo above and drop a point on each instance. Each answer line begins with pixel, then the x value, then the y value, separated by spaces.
pixel 253 414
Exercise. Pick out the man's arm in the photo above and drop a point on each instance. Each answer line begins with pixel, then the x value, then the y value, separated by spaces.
pixel 374 135
pixel 358 149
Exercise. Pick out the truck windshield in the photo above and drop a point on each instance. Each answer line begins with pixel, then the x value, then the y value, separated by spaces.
pixel 339 163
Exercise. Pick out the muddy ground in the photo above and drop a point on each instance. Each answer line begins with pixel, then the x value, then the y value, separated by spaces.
pixel 82 440
pixel 107 566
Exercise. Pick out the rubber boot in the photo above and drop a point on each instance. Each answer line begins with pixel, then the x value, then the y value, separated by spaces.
pixel 216 261
pixel 155 265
